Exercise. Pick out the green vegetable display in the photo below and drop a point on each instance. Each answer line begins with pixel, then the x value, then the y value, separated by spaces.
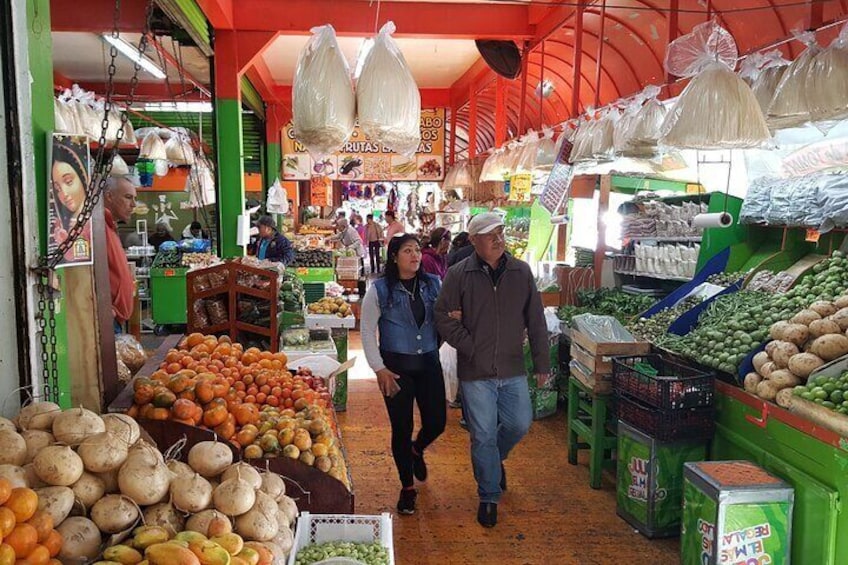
pixel 368 553
pixel 830 392
pixel 606 302
pixel 655 328
pixel 726 279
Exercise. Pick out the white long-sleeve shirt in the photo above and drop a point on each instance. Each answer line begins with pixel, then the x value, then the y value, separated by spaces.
pixel 369 318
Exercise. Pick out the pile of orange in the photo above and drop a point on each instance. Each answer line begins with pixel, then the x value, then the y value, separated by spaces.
pixel 211 382
pixel 27 533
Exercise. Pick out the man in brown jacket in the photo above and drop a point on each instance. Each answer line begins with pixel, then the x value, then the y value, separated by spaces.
pixel 488 303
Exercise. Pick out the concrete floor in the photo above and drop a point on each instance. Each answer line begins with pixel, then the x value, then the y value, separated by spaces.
pixel 548 516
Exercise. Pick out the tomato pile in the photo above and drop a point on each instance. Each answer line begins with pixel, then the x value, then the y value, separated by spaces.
pixel 246 396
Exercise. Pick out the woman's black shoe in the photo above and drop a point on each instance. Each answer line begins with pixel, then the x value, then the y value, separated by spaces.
pixel 487 514
pixel 419 467
pixel 406 502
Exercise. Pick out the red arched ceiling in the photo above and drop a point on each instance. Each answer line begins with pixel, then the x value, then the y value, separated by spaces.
pixel 635 37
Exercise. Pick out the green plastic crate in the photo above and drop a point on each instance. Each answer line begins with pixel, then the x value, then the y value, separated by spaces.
pixel 168 295
pixel 313 291
pixel 314 274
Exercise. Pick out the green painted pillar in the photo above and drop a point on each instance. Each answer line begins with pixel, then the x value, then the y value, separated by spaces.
pixel 273 163
pixel 230 173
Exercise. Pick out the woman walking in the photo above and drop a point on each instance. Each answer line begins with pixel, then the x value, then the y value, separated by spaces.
pixel 400 304
pixel 435 254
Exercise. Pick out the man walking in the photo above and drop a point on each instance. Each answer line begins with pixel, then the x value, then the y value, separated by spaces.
pixel 374 235
pixel 393 226
pixel 488 301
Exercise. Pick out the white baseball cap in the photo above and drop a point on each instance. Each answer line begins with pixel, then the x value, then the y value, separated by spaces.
pixel 484 223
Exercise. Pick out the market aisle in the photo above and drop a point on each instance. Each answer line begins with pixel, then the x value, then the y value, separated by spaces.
pixel 548 516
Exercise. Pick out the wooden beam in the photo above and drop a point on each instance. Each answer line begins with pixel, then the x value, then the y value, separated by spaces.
pixel 413 19
pixel 218 12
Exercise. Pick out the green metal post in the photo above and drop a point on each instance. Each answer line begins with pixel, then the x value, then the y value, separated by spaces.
pixel 273 162
pixel 230 173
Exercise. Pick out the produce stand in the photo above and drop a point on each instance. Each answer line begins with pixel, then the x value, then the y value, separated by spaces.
pixel 312 489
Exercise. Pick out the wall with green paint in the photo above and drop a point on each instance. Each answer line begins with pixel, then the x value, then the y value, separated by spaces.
pixel 230 173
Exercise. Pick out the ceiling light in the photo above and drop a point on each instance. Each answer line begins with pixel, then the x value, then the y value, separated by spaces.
pixel 134 55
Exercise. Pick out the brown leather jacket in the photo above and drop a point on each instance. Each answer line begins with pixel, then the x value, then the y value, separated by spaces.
pixel 490 337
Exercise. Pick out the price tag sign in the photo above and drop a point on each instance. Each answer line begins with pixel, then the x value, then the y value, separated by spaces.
pixel 519 188
pixel 170 273
pixel 301 271
pixel 813 235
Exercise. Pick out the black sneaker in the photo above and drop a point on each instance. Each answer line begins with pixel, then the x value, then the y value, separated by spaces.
pixel 419 467
pixel 503 478
pixel 406 502
pixel 487 514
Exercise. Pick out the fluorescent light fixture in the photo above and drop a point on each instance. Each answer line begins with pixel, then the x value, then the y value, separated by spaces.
pixel 134 55
pixel 192 107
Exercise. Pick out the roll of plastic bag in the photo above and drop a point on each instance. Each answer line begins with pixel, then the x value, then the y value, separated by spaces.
pixel 179 151
pixel 789 107
pixel 387 97
pixel 829 81
pixel 323 102
pixel 152 147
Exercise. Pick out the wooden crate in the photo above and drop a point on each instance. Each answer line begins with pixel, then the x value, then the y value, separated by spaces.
pixel 551 298
pixel 594 359
pixel 609 349
pixel 597 383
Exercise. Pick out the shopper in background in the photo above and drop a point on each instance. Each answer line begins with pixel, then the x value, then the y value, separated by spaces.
pixel 272 245
pixel 349 239
pixel 435 254
pixel 194 231
pixel 393 226
pixel 160 236
pixel 374 235
pixel 118 204
pixel 487 303
pixel 359 226
pixel 460 248
pixel 405 357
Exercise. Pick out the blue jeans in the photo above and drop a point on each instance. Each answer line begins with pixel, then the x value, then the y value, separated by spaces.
pixel 499 414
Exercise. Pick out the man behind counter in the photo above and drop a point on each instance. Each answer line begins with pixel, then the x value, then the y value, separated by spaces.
pixel 272 245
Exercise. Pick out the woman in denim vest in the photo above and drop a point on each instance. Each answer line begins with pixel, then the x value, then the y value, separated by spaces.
pixel 405 358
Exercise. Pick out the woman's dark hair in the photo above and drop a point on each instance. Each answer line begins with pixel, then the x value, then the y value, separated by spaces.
pixel 391 273
pixel 436 236
pixel 67 150
pixel 461 240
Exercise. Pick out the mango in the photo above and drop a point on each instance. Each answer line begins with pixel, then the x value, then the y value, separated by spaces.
pixel 210 553
pixel 190 536
pixel 145 536
pixel 249 555
pixel 123 554
pixel 170 554
pixel 233 543
pixel 266 557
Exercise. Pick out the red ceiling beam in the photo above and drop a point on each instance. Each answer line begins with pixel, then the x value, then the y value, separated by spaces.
pixel 260 76
pixel 61 80
pixel 218 12
pixel 578 61
pixel 97 16
pixel 413 19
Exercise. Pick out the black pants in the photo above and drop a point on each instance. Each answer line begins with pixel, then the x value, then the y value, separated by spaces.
pixel 374 253
pixel 420 381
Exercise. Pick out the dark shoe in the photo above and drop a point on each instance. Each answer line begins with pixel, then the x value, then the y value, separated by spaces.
pixel 419 467
pixel 503 478
pixel 487 514
pixel 406 502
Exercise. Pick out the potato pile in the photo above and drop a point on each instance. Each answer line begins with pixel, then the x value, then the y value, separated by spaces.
pixel 337 306
pixel 98 480
pixel 812 337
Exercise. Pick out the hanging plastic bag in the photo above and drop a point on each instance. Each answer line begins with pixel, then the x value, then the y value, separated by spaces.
pixel 603 148
pixel 828 81
pixel 582 149
pixel 119 167
pixel 624 126
pixel 447 355
pixel 60 125
pixel 152 147
pixel 525 161
pixel 130 351
pixel 278 199
pixel 546 151
pixel 323 102
pixel 717 109
pixel 462 176
pixel 509 164
pixel 789 107
pixel 201 185
pixel 646 129
pixel 771 67
pixel 490 167
pixel 179 151
pixel 387 98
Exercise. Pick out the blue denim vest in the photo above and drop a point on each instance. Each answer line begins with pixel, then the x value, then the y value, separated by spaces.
pixel 398 331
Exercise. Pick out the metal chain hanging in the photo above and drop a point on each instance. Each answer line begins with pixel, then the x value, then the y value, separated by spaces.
pixel 46 304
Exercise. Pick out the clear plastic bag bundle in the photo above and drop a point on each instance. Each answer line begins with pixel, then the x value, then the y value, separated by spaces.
pixel 60 123
pixel 490 169
pixel 789 106
pixel 130 351
pixel 834 197
pixel 827 95
pixel 387 97
pixel 464 176
pixel 509 159
pixel 582 149
pixel 755 207
pixel 201 185
pixel 769 69
pixel 647 127
pixel 152 147
pixel 525 161
pixel 603 147
pixel 717 109
pixel 323 102
pixel 119 167
pixel 179 151
pixel 623 128
pixel 546 151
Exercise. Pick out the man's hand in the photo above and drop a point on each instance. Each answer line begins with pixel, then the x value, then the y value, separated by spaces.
pixel 542 379
pixel 387 381
pixel 456 315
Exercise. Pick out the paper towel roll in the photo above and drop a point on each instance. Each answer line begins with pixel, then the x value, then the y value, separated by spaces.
pixel 715 220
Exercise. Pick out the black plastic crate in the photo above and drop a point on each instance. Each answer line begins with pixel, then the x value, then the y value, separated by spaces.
pixel 675 386
pixel 666 425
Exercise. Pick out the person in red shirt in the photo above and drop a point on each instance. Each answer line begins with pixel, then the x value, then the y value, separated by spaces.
pixel 118 203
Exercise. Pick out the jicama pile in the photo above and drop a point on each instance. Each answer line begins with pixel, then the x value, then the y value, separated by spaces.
pixel 99 484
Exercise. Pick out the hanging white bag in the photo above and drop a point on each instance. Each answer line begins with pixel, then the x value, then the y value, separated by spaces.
pixel 447 356
pixel 546 151
pixel 278 200
pixel 323 102
pixel 152 147
pixel 179 150
pixel 387 98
